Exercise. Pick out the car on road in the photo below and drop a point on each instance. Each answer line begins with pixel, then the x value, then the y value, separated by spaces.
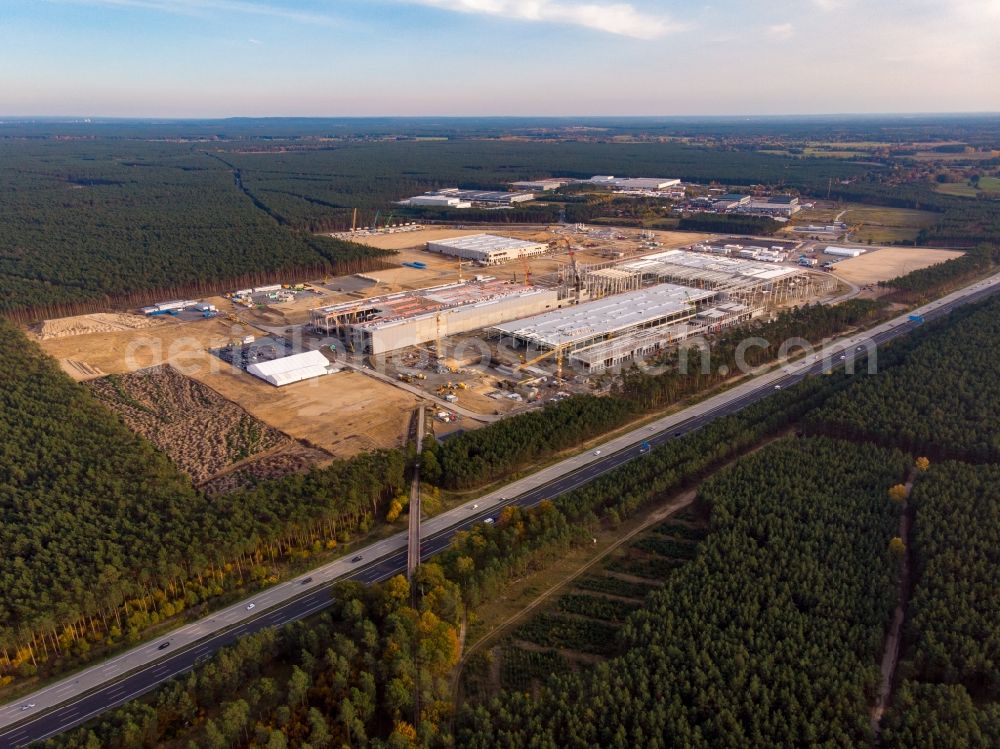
pixel 597 452
pixel 489 521
pixel 358 558
pixel 475 507
pixel 652 427
pixel 678 434
pixel 842 357
pixel 251 606
pixel 777 387
pixel 859 348
pixel 28 706
pixel 164 645
pixel 307 581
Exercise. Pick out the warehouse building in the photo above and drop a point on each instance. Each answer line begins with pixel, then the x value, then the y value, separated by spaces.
pixel 730 202
pixel 628 184
pixel 394 321
pixel 844 251
pixel 488 249
pixel 775 205
pixel 592 322
pixel 452 197
pixel 294 368
pixel 540 185
pixel 439 201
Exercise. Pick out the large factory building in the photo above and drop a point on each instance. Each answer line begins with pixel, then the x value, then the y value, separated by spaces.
pixel 386 323
pixel 488 249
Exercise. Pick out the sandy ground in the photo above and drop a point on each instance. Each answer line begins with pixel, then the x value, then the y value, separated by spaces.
pixel 343 413
pixel 100 322
pixel 890 262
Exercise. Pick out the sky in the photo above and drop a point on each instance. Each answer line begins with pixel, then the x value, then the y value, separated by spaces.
pixel 221 58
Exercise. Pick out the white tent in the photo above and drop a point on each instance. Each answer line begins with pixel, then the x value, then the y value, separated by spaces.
pixel 289 369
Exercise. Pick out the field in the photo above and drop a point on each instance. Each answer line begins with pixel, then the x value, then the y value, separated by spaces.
pixel 890 262
pixel 204 434
pixel 344 413
pixel 884 225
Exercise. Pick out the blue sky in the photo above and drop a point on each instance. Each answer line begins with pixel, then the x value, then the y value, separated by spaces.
pixel 212 58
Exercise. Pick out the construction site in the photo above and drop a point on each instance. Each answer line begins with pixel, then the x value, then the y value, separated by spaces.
pixel 338 364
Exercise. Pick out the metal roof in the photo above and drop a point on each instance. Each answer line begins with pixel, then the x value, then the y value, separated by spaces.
pixel 485 243
pixel 606 316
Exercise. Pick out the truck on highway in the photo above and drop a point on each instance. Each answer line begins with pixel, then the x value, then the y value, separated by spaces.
pixel 918 319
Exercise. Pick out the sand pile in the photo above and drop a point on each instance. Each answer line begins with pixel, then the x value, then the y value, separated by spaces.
pixel 100 322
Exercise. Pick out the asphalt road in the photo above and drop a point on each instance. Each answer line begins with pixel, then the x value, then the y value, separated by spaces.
pixel 71 703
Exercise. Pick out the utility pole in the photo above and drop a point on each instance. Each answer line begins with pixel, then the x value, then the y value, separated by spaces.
pixel 413 541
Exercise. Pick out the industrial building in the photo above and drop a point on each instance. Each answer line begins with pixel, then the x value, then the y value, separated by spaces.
pixel 386 323
pixel 752 282
pixel 439 201
pixel 488 249
pixel 730 202
pixel 588 323
pixel 289 369
pixel 607 332
pixel 634 183
pixel 452 197
pixel 540 185
pixel 844 251
pixel 775 205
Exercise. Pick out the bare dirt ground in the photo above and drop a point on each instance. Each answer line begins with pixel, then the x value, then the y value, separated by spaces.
pixel 890 262
pixel 344 413
pixel 100 322
pixel 202 432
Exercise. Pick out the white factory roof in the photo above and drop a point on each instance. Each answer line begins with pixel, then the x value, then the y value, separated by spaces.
pixel 289 369
pixel 844 251
pixel 605 316
pixel 484 243
pixel 733 267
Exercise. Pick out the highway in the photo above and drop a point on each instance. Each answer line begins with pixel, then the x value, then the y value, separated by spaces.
pixel 81 696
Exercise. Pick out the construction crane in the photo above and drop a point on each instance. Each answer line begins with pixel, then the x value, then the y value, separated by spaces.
pixel 375 222
pixel 354 221
pixel 557 352
pixel 577 284
pixel 527 270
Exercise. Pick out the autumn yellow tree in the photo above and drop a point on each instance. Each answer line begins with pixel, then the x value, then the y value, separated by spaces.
pixel 922 464
pixel 898 493
pixel 897 546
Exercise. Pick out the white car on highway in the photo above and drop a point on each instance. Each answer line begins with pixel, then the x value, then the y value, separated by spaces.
pixel 251 606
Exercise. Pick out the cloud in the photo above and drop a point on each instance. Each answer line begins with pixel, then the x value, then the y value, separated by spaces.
pixel 254 41
pixel 781 30
pixel 613 18
pixel 200 7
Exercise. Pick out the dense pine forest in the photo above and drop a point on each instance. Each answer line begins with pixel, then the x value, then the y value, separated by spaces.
pixel 944 401
pixel 104 537
pixel 118 221
pixel 770 637
pixel 951 693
